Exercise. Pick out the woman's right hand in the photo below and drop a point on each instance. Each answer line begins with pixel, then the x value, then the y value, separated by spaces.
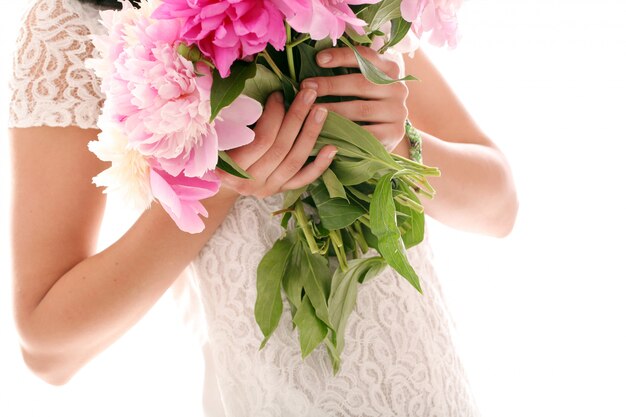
pixel 283 142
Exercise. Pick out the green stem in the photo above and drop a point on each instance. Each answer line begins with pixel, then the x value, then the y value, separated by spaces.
pixel 272 64
pixel 407 202
pixel 283 211
pixel 360 238
pixel 289 49
pixel 304 225
pixel 299 41
pixel 411 164
pixel 365 219
pixel 416 181
pixel 337 241
pixel 324 249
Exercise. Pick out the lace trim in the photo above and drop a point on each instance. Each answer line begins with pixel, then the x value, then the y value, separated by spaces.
pixel 50 84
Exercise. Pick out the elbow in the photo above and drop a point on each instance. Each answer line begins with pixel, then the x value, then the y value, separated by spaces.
pixel 45 359
pixel 505 223
pixel 47 368
pixel 504 216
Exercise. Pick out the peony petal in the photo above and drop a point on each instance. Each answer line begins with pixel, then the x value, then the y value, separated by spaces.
pixel 409 9
pixel 188 221
pixel 243 110
pixel 163 192
pixel 203 157
pixel 232 134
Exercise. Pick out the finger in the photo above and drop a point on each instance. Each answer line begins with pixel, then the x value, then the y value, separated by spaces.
pixel 348 85
pixel 369 111
pixel 312 171
pixel 345 57
pixel 300 151
pixel 292 123
pixel 388 134
pixel 266 130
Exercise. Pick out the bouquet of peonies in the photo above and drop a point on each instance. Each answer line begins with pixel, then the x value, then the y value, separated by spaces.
pixel 184 80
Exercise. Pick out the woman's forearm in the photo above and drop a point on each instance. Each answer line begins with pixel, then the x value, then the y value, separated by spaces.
pixel 475 192
pixel 99 299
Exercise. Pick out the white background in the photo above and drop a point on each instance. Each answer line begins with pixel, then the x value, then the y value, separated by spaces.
pixel 540 314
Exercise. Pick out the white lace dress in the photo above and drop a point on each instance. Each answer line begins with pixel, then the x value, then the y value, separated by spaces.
pixel 399 357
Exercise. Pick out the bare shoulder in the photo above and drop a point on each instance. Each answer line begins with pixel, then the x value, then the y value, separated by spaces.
pixel 56 211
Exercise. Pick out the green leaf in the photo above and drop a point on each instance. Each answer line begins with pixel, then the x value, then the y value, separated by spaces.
pixel 335 213
pixel 316 282
pixel 225 90
pixel 333 185
pixel 323 44
pixel 289 90
pixel 415 233
pixel 356 37
pixel 381 13
pixel 264 83
pixel 269 305
pixel 290 197
pixel 341 129
pixel 343 294
pixel 343 148
pixel 354 171
pixel 292 278
pixel 359 194
pixel 372 72
pixel 383 225
pixel 226 164
pixel 311 329
pixel 370 238
pixel 284 222
pixel 399 29
pixel 332 353
pixel 308 65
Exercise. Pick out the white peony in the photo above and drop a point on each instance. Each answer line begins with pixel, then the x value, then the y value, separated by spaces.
pixel 129 174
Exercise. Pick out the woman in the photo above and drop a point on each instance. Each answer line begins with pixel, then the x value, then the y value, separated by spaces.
pixel 71 303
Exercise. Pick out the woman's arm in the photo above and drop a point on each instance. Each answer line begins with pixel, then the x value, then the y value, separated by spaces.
pixel 476 191
pixel 71 303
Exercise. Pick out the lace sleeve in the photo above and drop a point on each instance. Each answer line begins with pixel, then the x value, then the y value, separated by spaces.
pixel 50 84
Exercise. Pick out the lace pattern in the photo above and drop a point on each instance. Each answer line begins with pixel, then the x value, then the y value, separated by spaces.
pixel 399 357
pixel 50 84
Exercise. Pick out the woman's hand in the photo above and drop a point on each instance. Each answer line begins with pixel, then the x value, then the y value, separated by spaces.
pixel 282 144
pixel 382 106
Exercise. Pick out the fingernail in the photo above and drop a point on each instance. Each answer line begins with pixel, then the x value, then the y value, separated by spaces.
pixel 278 96
pixel 324 58
pixel 320 114
pixel 332 154
pixel 309 84
pixel 309 96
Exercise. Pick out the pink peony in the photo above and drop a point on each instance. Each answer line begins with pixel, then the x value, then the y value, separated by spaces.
pixel 323 18
pixel 227 30
pixel 229 130
pixel 180 197
pixel 435 16
pixel 160 109
pixel 159 101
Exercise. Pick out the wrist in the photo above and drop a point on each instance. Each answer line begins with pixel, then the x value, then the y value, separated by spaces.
pixel 225 196
pixel 403 148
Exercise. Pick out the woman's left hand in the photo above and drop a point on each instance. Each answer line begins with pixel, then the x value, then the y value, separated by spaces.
pixel 381 106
